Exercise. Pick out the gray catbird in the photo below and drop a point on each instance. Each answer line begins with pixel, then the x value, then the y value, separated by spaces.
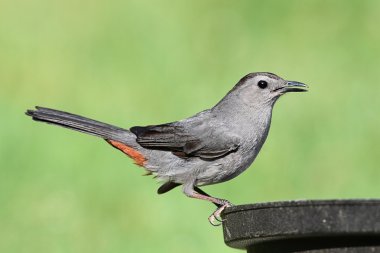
pixel 210 147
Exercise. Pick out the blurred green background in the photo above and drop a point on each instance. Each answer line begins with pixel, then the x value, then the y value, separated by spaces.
pixel 143 62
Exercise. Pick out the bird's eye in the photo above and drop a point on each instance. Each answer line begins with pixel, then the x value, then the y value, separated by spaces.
pixel 262 84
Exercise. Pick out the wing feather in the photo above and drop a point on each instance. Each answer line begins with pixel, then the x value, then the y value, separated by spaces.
pixel 194 141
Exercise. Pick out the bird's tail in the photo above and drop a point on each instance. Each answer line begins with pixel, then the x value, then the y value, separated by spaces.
pixel 79 123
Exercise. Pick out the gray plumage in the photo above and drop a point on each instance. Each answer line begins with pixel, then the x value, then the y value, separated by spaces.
pixel 210 147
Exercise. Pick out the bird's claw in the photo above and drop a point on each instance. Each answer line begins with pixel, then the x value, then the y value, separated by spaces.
pixel 216 216
pixel 214 220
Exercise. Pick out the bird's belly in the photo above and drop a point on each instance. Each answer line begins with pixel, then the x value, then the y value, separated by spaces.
pixel 223 170
pixel 172 168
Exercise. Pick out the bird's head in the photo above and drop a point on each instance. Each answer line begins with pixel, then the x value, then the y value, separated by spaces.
pixel 263 87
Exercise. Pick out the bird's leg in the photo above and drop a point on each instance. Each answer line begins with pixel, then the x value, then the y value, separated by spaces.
pixel 220 203
pixel 200 191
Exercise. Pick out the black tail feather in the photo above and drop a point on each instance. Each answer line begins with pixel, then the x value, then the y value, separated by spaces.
pixel 76 122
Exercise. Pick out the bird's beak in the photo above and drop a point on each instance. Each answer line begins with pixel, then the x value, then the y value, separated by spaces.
pixel 294 86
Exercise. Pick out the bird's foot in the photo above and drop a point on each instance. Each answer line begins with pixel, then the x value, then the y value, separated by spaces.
pixel 215 218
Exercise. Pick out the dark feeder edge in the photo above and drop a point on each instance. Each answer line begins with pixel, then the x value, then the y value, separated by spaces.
pixel 351 225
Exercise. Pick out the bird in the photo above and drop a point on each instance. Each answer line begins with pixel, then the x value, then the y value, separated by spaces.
pixel 213 146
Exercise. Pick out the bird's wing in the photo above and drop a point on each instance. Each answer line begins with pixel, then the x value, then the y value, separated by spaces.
pixel 193 140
